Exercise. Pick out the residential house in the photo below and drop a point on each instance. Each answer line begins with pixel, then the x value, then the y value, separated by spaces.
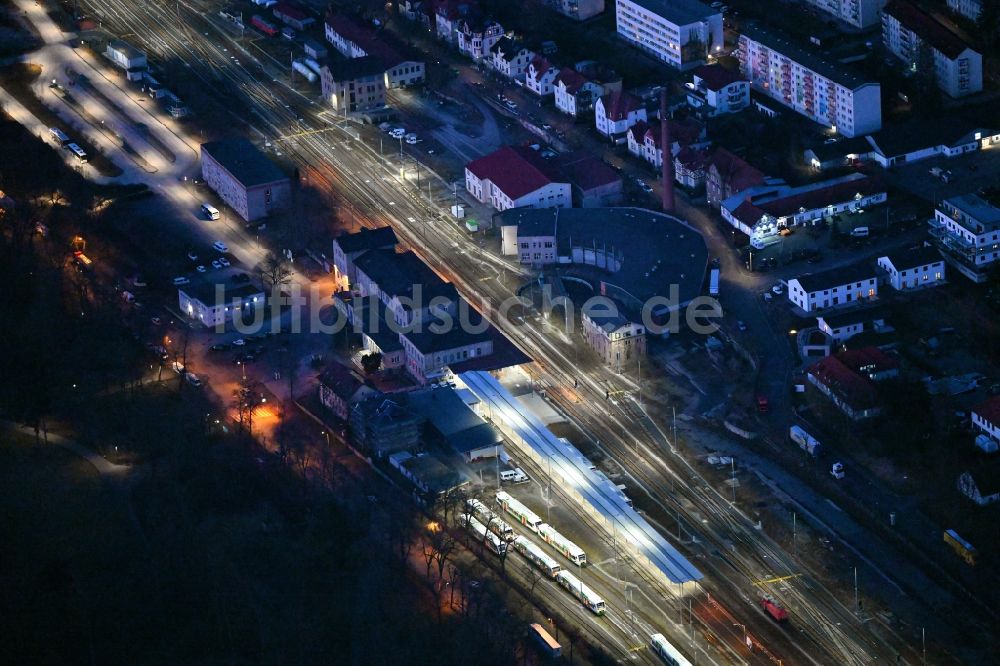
pixel 970 9
pixel 849 380
pixel 824 92
pixel 986 418
pixel 574 92
pixel 684 133
pixel 419 11
pixel 981 485
pixel 617 340
pixel 690 165
pixel 340 388
pixel 516 176
pixel 541 76
pixel 245 178
pixel 216 305
pixel 715 91
pixel 381 427
pixel 913 269
pixel 762 212
pixel 919 40
pixel 728 175
pixel 354 86
pixel 615 113
pixel 844 325
pixel 679 33
pixel 857 13
pixel 510 58
pixel 348 247
pixel 476 35
pixel 967 230
pixel 848 285
pixel 447 15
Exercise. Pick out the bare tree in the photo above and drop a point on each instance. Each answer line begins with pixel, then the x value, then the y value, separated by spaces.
pixel 274 271
pixel 247 400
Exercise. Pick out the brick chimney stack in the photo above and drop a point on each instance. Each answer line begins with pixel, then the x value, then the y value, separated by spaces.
pixel 668 160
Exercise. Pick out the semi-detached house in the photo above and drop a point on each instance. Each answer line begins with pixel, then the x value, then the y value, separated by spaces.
pixel 541 76
pixel 616 112
pixel 575 93
pixel 913 269
pixel 836 287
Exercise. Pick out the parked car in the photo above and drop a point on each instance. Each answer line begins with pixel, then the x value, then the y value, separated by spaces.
pixel 778 289
pixel 223 261
pixel 741 326
pixel 180 281
pixel 220 246
pixel 239 342
pixel 216 264
pixel 200 268
pixel 192 256
pixel 192 379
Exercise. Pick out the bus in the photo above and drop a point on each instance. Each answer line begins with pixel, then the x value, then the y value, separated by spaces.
pixel 59 136
pixel 577 588
pixel 78 151
pixel 537 556
pixel 524 515
pixel 491 540
pixel 569 550
pixel 964 549
pixel 659 644
pixel 495 523
pixel 544 638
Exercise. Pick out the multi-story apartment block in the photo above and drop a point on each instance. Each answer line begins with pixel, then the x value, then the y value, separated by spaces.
pixel 354 86
pixel 715 90
pixel 920 41
pixel 477 35
pixel 970 9
pixel 858 13
pixel 680 33
pixel 819 90
pixel 967 230
pixel 245 178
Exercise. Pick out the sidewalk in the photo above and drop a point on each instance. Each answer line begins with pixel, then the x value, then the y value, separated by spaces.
pixel 103 466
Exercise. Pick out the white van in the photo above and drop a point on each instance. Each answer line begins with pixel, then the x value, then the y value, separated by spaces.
pixel 515 475
pixel 860 232
pixel 211 212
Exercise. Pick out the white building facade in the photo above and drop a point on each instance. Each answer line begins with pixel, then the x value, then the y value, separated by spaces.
pixel 679 33
pixel 813 88
pixel 540 77
pixel 858 13
pixel 213 307
pixel 967 230
pixel 833 289
pixel 913 270
pixel 511 58
pixel 614 114
pixel 970 9
pixel 476 38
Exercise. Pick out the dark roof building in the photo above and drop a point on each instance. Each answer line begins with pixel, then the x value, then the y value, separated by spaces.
pixel 244 161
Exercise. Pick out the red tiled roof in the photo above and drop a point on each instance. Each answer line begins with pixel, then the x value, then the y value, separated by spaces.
pixel 854 389
pixel 734 171
pixel 717 77
pixel 836 193
pixel 638 131
pixel 452 9
pixel 683 132
pixel 572 79
pixel 748 214
pixel 540 65
pixel 989 410
pixel 515 170
pixel 692 159
pixel 927 28
pixel 341 380
pixel 619 104
pixel 584 171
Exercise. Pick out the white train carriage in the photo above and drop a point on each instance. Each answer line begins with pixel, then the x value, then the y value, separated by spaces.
pixel 491 540
pixel 578 589
pixel 659 644
pixel 524 515
pixel 569 550
pixel 537 556
pixel 495 523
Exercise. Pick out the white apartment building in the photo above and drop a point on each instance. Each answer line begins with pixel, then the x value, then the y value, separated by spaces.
pixel 680 33
pixel 967 230
pixel 970 9
pixel 819 90
pixel 717 91
pixel 833 288
pixel 859 13
pixel 907 30
pixel 913 269
pixel 477 36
